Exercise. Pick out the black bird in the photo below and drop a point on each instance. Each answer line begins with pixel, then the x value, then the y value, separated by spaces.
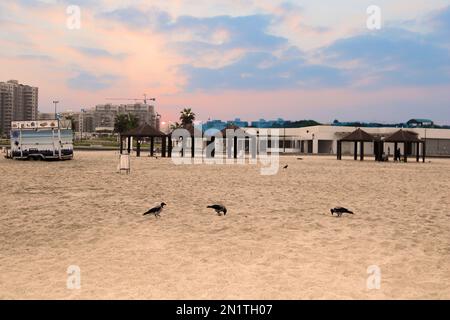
pixel 219 209
pixel 286 166
pixel 156 210
pixel 340 210
pixel 299 158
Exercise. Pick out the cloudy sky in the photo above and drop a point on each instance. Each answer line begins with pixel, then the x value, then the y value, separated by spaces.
pixel 243 58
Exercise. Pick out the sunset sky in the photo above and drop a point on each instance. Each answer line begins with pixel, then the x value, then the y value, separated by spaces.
pixel 242 58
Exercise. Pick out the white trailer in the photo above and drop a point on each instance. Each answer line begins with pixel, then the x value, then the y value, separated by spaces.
pixel 46 140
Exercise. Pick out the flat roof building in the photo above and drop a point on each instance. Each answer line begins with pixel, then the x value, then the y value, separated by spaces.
pixel 323 139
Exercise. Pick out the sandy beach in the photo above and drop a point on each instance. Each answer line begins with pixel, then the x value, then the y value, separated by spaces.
pixel 278 240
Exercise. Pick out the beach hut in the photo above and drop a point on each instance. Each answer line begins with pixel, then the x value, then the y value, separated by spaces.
pixel 193 132
pixel 356 136
pixel 233 146
pixel 408 138
pixel 212 136
pixel 144 131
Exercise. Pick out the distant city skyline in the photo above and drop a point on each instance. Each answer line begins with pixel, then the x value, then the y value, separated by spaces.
pixel 241 59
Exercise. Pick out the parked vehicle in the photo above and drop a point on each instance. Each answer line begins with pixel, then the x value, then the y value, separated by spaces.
pixel 42 140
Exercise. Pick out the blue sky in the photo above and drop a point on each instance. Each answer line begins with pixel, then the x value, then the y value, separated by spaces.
pixel 248 59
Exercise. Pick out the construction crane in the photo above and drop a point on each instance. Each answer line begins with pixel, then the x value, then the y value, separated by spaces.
pixel 134 99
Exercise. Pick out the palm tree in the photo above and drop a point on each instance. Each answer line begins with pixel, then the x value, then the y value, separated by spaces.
pixel 133 121
pixel 121 123
pixel 125 122
pixel 187 117
pixel 175 125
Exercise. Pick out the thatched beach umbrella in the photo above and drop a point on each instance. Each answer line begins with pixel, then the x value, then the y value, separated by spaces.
pixel 229 127
pixel 193 132
pixel 235 139
pixel 211 135
pixel 144 131
pixel 407 138
pixel 356 136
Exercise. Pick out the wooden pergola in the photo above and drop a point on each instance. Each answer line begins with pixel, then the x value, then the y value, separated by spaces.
pixel 407 138
pixel 145 131
pixel 193 132
pixel 235 140
pixel 356 136
pixel 211 135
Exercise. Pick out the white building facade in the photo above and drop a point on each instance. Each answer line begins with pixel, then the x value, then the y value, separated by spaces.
pixel 323 140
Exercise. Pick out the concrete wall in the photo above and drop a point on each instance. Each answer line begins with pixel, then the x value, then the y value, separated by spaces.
pixel 438 146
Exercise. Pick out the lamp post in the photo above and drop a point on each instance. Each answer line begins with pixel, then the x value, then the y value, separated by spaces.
pixel 158 119
pixel 257 143
pixel 56 104
pixel 81 124
pixel 425 147
pixel 165 126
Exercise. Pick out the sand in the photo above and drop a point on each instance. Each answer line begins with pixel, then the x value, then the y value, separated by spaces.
pixel 278 241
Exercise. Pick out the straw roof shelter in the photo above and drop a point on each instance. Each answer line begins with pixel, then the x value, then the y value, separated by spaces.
pixel 144 130
pixel 140 132
pixel 229 127
pixel 193 132
pixel 232 150
pixel 407 138
pixel 403 136
pixel 356 136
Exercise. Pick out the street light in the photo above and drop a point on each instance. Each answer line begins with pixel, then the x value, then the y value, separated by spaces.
pixel 158 119
pixel 425 147
pixel 81 123
pixel 56 103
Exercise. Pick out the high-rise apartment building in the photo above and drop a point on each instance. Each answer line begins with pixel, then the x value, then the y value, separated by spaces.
pixel 102 117
pixel 105 114
pixel 18 102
